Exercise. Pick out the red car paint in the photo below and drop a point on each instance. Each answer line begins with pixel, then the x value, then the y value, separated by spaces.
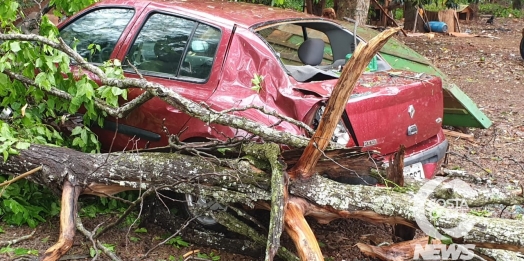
pixel 379 110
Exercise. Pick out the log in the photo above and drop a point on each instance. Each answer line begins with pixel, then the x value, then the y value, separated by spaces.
pixel 229 181
pixel 456 134
pixel 495 233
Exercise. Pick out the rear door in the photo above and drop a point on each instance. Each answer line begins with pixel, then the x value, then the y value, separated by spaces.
pixel 181 53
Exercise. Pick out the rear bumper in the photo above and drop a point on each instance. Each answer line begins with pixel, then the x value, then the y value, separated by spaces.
pixel 429 153
pixel 432 155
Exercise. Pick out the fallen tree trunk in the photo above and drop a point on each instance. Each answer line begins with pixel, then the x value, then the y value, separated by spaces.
pixel 228 181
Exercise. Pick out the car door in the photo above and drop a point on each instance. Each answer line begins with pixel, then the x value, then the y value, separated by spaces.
pixel 96 33
pixel 178 52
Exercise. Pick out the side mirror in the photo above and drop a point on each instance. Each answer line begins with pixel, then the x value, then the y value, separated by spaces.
pixel 199 46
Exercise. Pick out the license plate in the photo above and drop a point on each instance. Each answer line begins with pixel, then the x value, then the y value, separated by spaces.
pixel 414 171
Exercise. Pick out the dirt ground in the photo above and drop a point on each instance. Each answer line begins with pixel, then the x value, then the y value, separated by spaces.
pixel 489 70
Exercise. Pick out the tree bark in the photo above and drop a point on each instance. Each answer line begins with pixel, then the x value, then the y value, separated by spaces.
pixel 228 181
pixel 68 214
pixel 361 12
pixel 315 7
pixel 516 4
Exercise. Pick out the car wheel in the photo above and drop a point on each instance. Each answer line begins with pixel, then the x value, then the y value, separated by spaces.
pixel 195 207
pixel 199 208
pixel 522 47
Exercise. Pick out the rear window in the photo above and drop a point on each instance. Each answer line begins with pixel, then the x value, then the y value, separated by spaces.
pixel 96 33
pixel 286 40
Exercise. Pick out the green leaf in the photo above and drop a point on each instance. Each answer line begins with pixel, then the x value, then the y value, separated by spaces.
pixel 141 230
pixel 22 145
pixel 83 135
pixel 39 62
pixel 78 142
pixel 116 91
pixel 15 46
pixel 92 252
pixel 76 131
pixel 6 249
pixel 6 155
pixel 40 130
pixel 223 150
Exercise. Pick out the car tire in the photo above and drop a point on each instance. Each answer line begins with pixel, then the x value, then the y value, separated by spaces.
pixel 194 207
pixel 182 205
pixel 522 47
pixel 192 203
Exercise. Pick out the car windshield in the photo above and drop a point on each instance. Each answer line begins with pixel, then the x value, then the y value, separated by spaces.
pixel 313 50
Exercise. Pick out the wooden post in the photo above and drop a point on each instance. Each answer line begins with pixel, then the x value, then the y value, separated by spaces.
pixel 415 24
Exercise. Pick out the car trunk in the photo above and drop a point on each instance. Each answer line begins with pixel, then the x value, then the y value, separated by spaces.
pixel 387 110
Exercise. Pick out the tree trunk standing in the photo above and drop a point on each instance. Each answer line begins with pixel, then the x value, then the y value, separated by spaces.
pixel 345 8
pixel 361 12
pixel 356 10
pixel 474 11
pixel 410 15
pixel 517 4
pixel 315 6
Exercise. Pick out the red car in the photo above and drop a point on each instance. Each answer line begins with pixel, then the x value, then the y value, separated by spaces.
pixel 215 52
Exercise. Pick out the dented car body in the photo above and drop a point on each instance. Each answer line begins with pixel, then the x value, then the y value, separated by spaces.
pixel 235 55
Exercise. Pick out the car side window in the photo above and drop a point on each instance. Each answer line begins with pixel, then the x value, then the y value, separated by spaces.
pixel 96 33
pixel 160 44
pixel 165 41
pixel 199 58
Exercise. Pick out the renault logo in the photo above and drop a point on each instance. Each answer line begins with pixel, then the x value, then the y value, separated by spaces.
pixel 411 111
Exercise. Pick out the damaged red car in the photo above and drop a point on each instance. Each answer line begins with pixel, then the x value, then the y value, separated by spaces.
pixel 233 55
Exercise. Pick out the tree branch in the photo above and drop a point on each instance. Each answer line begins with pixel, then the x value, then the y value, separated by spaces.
pixel 16 240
